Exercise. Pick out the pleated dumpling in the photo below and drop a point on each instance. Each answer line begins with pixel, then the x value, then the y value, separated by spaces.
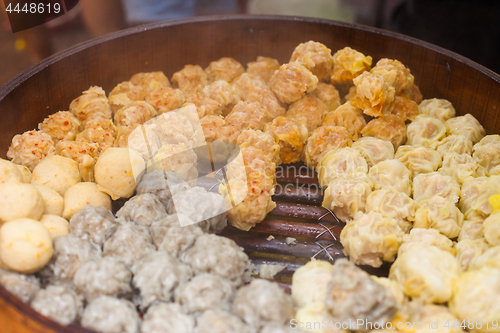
pixel 374 150
pixel 489 188
pixel 487 151
pixel 425 131
pixel 418 159
pixel 466 125
pixel 391 173
pixel 340 163
pixel 469 193
pixel 441 109
pixel 440 214
pixel 455 143
pixel 461 167
pixel 427 185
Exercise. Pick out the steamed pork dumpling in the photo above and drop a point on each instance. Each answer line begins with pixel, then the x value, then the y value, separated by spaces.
pixel 262 141
pixel 322 140
pixel 310 282
pixel 373 95
pixel 395 74
pixel 427 237
pixel 427 185
pixel 92 104
pixel 425 131
pixel 466 125
pixel 225 68
pixel 418 159
pixel 371 238
pixel 347 116
pixel 405 108
pixel 491 229
pixel 291 81
pixel 461 167
pixel 488 189
pixel 426 272
pixel 437 108
pixel 248 115
pixel 487 151
pixel 290 135
pixel 124 94
pixel 263 67
pixel 29 148
pixel 308 110
pixel 455 143
pixel 328 94
pixel 316 57
pixel 149 81
pixel 374 150
pixel 340 163
pixel 470 192
pixel 349 64
pixel 441 214
pixel 176 158
pixel 468 250
pixel 389 128
pixel 472 228
pixel 61 125
pixel 489 258
pixel 391 173
pixel 190 79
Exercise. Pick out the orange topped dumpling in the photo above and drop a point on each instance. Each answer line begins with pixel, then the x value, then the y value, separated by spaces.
pixel 264 68
pixel 226 69
pixel 216 128
pixel 61 125
pixel 308 110
pixel 248 115
pixel 205 106
pixel 292 81
pixel 190 80
pixel 395 74
pixel 125 94
pixel 373 95
pixel 92 104
pixel 165 99
pixel 405 108
pixel 347 116
pixel 136 113
pixel 30 148
pixel 100 131
pixel 348 64
pixel 222 92
pixel 291 135
pixel 390 128
pixel 323 140
pixel 328 94
pixel 316 57
pixel 150 81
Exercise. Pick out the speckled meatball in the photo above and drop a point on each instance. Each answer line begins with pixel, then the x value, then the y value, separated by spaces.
pixel 349 64
pixel 217 255
pixel 22 285
pixel 167 318
pixel 353 294
pixel 104 276
pixel 205 292
pixel 90 105
pixel 263 68
pixel 83 153
pixel 263 302
pixel 373 95
pixel 248 115
pixel 59 303
pixel 347 116
pixel 220 321
pixel 308 110
pixel 156 276
pixel 30 148
pixel 328 94
pixel 175 234
pixel 143 209
pixel 226 69
pixel 389 128
pixel 292 81
pixel 136 113
pixel 395 74
pixel 205 106
pixel 160 183
pixel 93 223
pixel 61 125
pixel 165 99
pixel 290 135
pixel 322 140
pixel 207 209
pixel 190 80
pixel 125 94
pixel 150 81
pixel 316 57
pixel 111 315
pixel 129 243
pixel 216 128
pixel 70 253
pixel 100 131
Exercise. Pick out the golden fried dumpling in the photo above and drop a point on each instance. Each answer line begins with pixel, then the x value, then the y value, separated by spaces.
pixel 150 81
pixel 205 106
pixel 341 163
pixel 165 99
pixel 469 193
pixel 262 141
pixel 405 108
pixel 441 109
pixel 487 151
pixel 328 94
pixel 255 90
pixel 461 167
pixel 290 135
pixel 373 95
pixel 61 125
pixel 30 148
pixel 466 125
pixel 418 159
pixel 263 67
pixel 489 188
pixel 371 238
pixel 248 115
pixel 491 229
pixel 100 131
pixel 389 128
pixel 476 299
pixel 489 258
pixel 395 74
pixel 427 272
pixel 316 57
pixel 83 153
pixel 322 140
pixel 427 185
pixel 124 94
pixel 92 104
pixel 472 228
pixel 292 81
pixel 393 204
pixel 346 196
pixel 374 150
pixel 425 131
pixel 429 237
pixel 216 128
pixel 136 113
pixel 468 250
pixel 349 64
pixel 308 110
pixel 310 282
pixel 391 173
pixel 223 93
pixel 440 214
pixel 453 143
pixel 347 116
pixel 190 80
pixel 226 69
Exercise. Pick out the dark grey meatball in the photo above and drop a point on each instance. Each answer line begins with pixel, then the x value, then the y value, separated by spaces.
pixel 111 315
pixel 142 209
pixel 205 292
pixel 24 286
pixel 105 276
pixel 129 243
pixel 160 183
pixel 263 302
pixel 167 318
pixel 59 303
pixel 156 276
pixel 217 255
pixel 220 321
pixel 95 224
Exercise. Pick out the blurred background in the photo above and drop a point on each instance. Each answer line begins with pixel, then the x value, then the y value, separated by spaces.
pixel 467 27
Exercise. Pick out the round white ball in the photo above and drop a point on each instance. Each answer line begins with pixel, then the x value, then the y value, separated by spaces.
pixel 9 172
pixel 18 200
pixel 54 202
pixel 82 194
pixel 57 172
pixel 56 225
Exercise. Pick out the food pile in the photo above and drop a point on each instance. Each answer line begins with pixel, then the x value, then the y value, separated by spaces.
pixel 416 186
